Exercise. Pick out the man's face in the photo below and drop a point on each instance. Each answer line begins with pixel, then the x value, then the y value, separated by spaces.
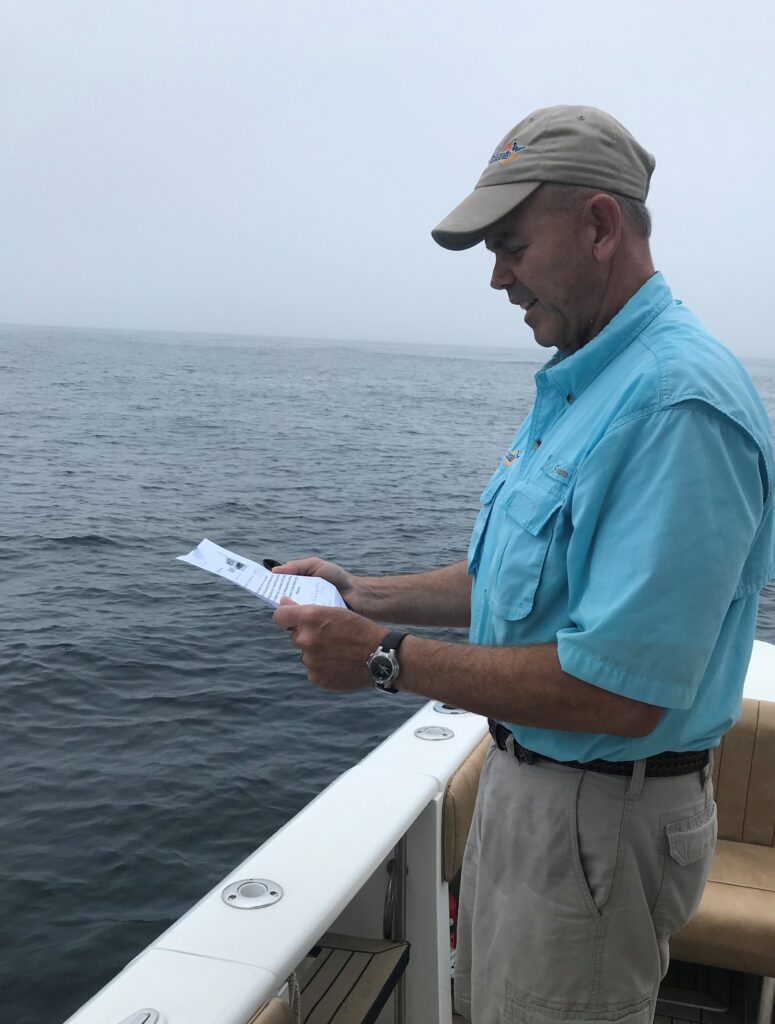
pixel 544 263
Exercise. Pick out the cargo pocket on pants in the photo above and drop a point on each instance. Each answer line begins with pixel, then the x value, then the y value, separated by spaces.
pixel 523 1012
pixel 689 846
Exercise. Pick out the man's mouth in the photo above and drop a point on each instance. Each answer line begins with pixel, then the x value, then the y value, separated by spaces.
pixel 528 304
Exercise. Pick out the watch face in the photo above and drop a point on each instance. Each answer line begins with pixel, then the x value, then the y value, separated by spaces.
pixel 382 668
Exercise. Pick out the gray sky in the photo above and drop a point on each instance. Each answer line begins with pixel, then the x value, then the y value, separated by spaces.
pixel 276 168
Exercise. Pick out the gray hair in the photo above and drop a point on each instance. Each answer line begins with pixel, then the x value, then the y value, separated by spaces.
pixel 567 198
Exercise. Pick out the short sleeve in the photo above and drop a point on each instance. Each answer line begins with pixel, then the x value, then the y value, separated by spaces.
pixel 665 512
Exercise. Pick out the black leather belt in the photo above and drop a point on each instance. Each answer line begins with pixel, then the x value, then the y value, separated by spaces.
pixel 671 762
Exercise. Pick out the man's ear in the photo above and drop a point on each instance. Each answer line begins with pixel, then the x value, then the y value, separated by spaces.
pixel 606 218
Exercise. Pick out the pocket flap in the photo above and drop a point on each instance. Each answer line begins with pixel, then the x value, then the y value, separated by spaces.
pixel 492 488
pixel 531 507
pixel 693 838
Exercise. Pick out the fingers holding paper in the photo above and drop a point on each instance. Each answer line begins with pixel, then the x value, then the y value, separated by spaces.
pixel 335 574
pixel 334 643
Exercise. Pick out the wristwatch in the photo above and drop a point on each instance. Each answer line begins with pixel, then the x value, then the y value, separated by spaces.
pixel 383 664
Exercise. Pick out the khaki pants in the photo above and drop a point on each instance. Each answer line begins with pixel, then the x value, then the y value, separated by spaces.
pixel 572 884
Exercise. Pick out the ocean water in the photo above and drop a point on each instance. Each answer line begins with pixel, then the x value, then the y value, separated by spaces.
pixel 155 727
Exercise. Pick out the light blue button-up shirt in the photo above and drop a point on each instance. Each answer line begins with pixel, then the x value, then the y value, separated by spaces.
pixel 632 523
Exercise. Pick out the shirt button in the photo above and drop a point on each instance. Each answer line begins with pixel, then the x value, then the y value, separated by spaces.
pixel 537 443
pixel 569 398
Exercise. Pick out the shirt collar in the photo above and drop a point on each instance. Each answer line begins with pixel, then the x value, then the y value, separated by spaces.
pixel 571 374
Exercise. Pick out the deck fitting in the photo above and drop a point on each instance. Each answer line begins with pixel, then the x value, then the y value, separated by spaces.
pixel 448 709
pixel 433 732
pixel 252 893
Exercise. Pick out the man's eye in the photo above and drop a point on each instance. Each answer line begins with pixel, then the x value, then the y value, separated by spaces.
pixel 517 252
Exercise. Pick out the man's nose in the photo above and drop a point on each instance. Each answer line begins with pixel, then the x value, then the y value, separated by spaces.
pixel 502 275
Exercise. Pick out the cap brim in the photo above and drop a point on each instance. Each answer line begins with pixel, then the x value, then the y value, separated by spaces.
pixel 468 223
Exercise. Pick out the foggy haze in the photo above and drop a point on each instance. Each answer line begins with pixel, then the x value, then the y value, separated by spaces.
pixel 276 168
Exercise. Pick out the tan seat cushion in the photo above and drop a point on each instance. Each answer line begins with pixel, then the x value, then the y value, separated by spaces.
pixel 734 926
pixel 744 776
pixel 273 1012
pixel 458 810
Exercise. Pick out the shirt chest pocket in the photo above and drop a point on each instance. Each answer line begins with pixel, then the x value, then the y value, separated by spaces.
pixel 530 516
pixel 486 499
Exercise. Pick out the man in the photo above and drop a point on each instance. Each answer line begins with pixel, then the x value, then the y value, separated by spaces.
pixel 611 590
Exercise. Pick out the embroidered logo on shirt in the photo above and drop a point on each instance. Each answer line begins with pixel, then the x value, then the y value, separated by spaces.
pixel 511 456
pixel 503 156
pixel 558 470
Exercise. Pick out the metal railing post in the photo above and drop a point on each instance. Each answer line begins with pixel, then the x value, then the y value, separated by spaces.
pixel 766 1001
pixel 398 923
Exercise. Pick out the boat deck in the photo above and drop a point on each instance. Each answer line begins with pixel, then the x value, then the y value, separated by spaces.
pixel 691 994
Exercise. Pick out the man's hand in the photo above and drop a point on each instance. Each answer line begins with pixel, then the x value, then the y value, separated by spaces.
pixel 334 642
pixel 438 598
pixel 344 582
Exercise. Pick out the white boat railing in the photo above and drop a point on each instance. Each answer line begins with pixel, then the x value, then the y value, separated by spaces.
pixel 218 962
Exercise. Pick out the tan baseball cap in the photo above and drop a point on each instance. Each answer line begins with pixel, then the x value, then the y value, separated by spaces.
pixel 565 145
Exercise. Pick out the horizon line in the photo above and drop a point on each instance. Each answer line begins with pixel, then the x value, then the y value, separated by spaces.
pixel 187 332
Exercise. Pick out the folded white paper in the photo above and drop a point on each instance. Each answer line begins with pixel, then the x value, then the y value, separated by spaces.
pixel 266 586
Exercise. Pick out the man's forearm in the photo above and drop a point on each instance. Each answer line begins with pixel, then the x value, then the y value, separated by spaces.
pixel 525 685
pixel 438 598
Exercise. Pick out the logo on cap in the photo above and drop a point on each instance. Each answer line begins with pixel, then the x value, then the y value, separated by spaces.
pixel 513 149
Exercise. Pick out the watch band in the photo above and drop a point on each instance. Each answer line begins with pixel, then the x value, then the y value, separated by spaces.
pixel 392 641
